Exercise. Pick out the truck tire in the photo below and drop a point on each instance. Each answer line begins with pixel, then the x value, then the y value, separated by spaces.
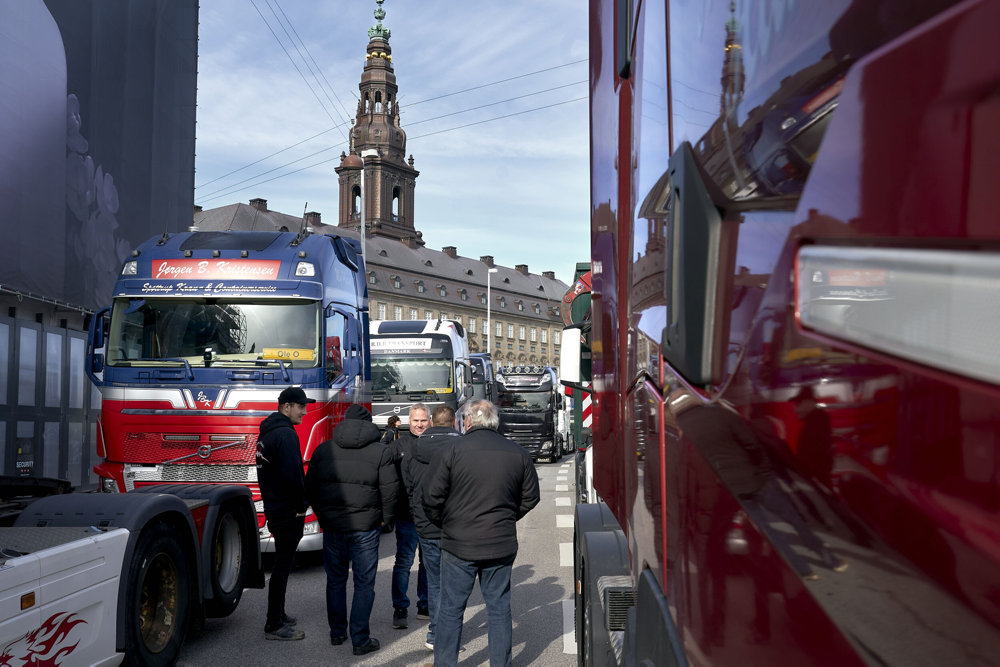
pixel 229 561
pixel 158 597
pixel 601 553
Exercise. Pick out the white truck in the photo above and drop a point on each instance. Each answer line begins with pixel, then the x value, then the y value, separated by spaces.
pixel 90 579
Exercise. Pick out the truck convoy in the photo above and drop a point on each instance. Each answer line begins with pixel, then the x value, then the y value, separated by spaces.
pixel 795 257
pixel 97 578
pixel 418 361
pixel 529 399
pixel 205 330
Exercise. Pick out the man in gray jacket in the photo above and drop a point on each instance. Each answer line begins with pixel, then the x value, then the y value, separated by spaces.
pixel 476 490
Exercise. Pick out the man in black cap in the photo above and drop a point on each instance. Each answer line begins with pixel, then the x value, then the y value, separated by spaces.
pixel 352 487
pixel 282 489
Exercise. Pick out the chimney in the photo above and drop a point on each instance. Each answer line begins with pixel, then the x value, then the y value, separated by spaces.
pixel 487 260
pixel 259 204
pixel 522 268
pixel 312 218
pixel 551 275
pixel 451 251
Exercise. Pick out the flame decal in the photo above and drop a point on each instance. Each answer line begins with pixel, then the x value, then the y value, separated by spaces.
pixel 43 646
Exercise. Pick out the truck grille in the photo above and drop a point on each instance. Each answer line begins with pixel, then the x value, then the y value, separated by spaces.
pixel 140 475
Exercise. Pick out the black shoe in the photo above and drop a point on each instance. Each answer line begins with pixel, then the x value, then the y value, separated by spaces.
pixel 399 619
pixel 337 641
pixel 288 620
pixel 284 633
pixel 423 613
pixel 370 647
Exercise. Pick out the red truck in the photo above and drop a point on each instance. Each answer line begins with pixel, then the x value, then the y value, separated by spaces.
pixel 795 269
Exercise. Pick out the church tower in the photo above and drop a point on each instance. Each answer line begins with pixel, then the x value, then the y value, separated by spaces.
pixel 389 178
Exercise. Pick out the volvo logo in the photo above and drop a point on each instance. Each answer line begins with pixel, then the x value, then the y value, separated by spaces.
pixel 395 409
pixel 204 451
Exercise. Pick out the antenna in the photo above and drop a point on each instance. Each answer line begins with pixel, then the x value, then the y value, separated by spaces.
pixel 302 228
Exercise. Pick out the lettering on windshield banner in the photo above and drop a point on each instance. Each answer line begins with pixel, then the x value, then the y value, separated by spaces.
pixel 385 346
pixel 205 289
pixel 216 269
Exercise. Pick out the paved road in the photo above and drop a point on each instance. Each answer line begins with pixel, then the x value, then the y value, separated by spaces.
pixel 541 603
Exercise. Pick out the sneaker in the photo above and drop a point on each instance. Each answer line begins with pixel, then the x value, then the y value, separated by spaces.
pixel 399 619
pixel 370 647
pixel 423 613
pixel 288 620
pixel 284 633
pixel 429 645
pixel 338 640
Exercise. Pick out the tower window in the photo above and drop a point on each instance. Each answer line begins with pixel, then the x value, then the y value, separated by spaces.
pixel 395 203
pixel 356 200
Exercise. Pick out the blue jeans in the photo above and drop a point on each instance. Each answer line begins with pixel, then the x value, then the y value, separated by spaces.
pixel 406 549
pixel 457 579
pixel 431 549
pixel 358 550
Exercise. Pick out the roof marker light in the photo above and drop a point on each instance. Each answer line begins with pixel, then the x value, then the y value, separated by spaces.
pixel 305 269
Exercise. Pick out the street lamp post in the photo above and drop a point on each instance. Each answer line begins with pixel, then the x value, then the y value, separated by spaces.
pixel 370 152
pixel 489 322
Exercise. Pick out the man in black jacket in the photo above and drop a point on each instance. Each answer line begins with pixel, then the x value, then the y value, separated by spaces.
pixel 476 490
pixel 282 490
pixel 441 433
pixel 352 487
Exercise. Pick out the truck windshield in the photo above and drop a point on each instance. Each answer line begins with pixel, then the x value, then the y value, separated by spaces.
pixel 526 401
pixel 400 375
pixel 151 332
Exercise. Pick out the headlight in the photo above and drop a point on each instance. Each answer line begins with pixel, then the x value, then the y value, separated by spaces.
pixel 108 485
pixel 305 269
pixel 547 444
pixel 131 268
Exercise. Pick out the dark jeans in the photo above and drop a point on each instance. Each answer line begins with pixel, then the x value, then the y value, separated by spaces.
pixel 358 551
pixel 406 548
pixel 457 579
pixel 431 550
pixel 286 531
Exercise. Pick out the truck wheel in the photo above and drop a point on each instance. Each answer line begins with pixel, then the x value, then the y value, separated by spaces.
pixel 229 562
pixel 158 597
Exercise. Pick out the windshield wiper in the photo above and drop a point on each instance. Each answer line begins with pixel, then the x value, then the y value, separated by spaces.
pixel 265 362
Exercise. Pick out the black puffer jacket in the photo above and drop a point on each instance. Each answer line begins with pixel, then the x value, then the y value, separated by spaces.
pixel 279 467
pixel 352 483
pixel 414 468
pixel 402 449
pixel 476 490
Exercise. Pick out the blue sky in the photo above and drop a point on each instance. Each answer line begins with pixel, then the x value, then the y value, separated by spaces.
pixel 512 183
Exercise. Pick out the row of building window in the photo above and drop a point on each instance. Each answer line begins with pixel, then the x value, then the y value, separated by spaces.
pixel 533 333
pixel 462 293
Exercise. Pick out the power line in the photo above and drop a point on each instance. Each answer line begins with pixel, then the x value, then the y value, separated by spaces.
pixel 489 120
pixel 425 120
pixel 292 60
pixel 493 104
pixel 318 68
pixel 247 166
pixel 209 196
pixel 493 83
